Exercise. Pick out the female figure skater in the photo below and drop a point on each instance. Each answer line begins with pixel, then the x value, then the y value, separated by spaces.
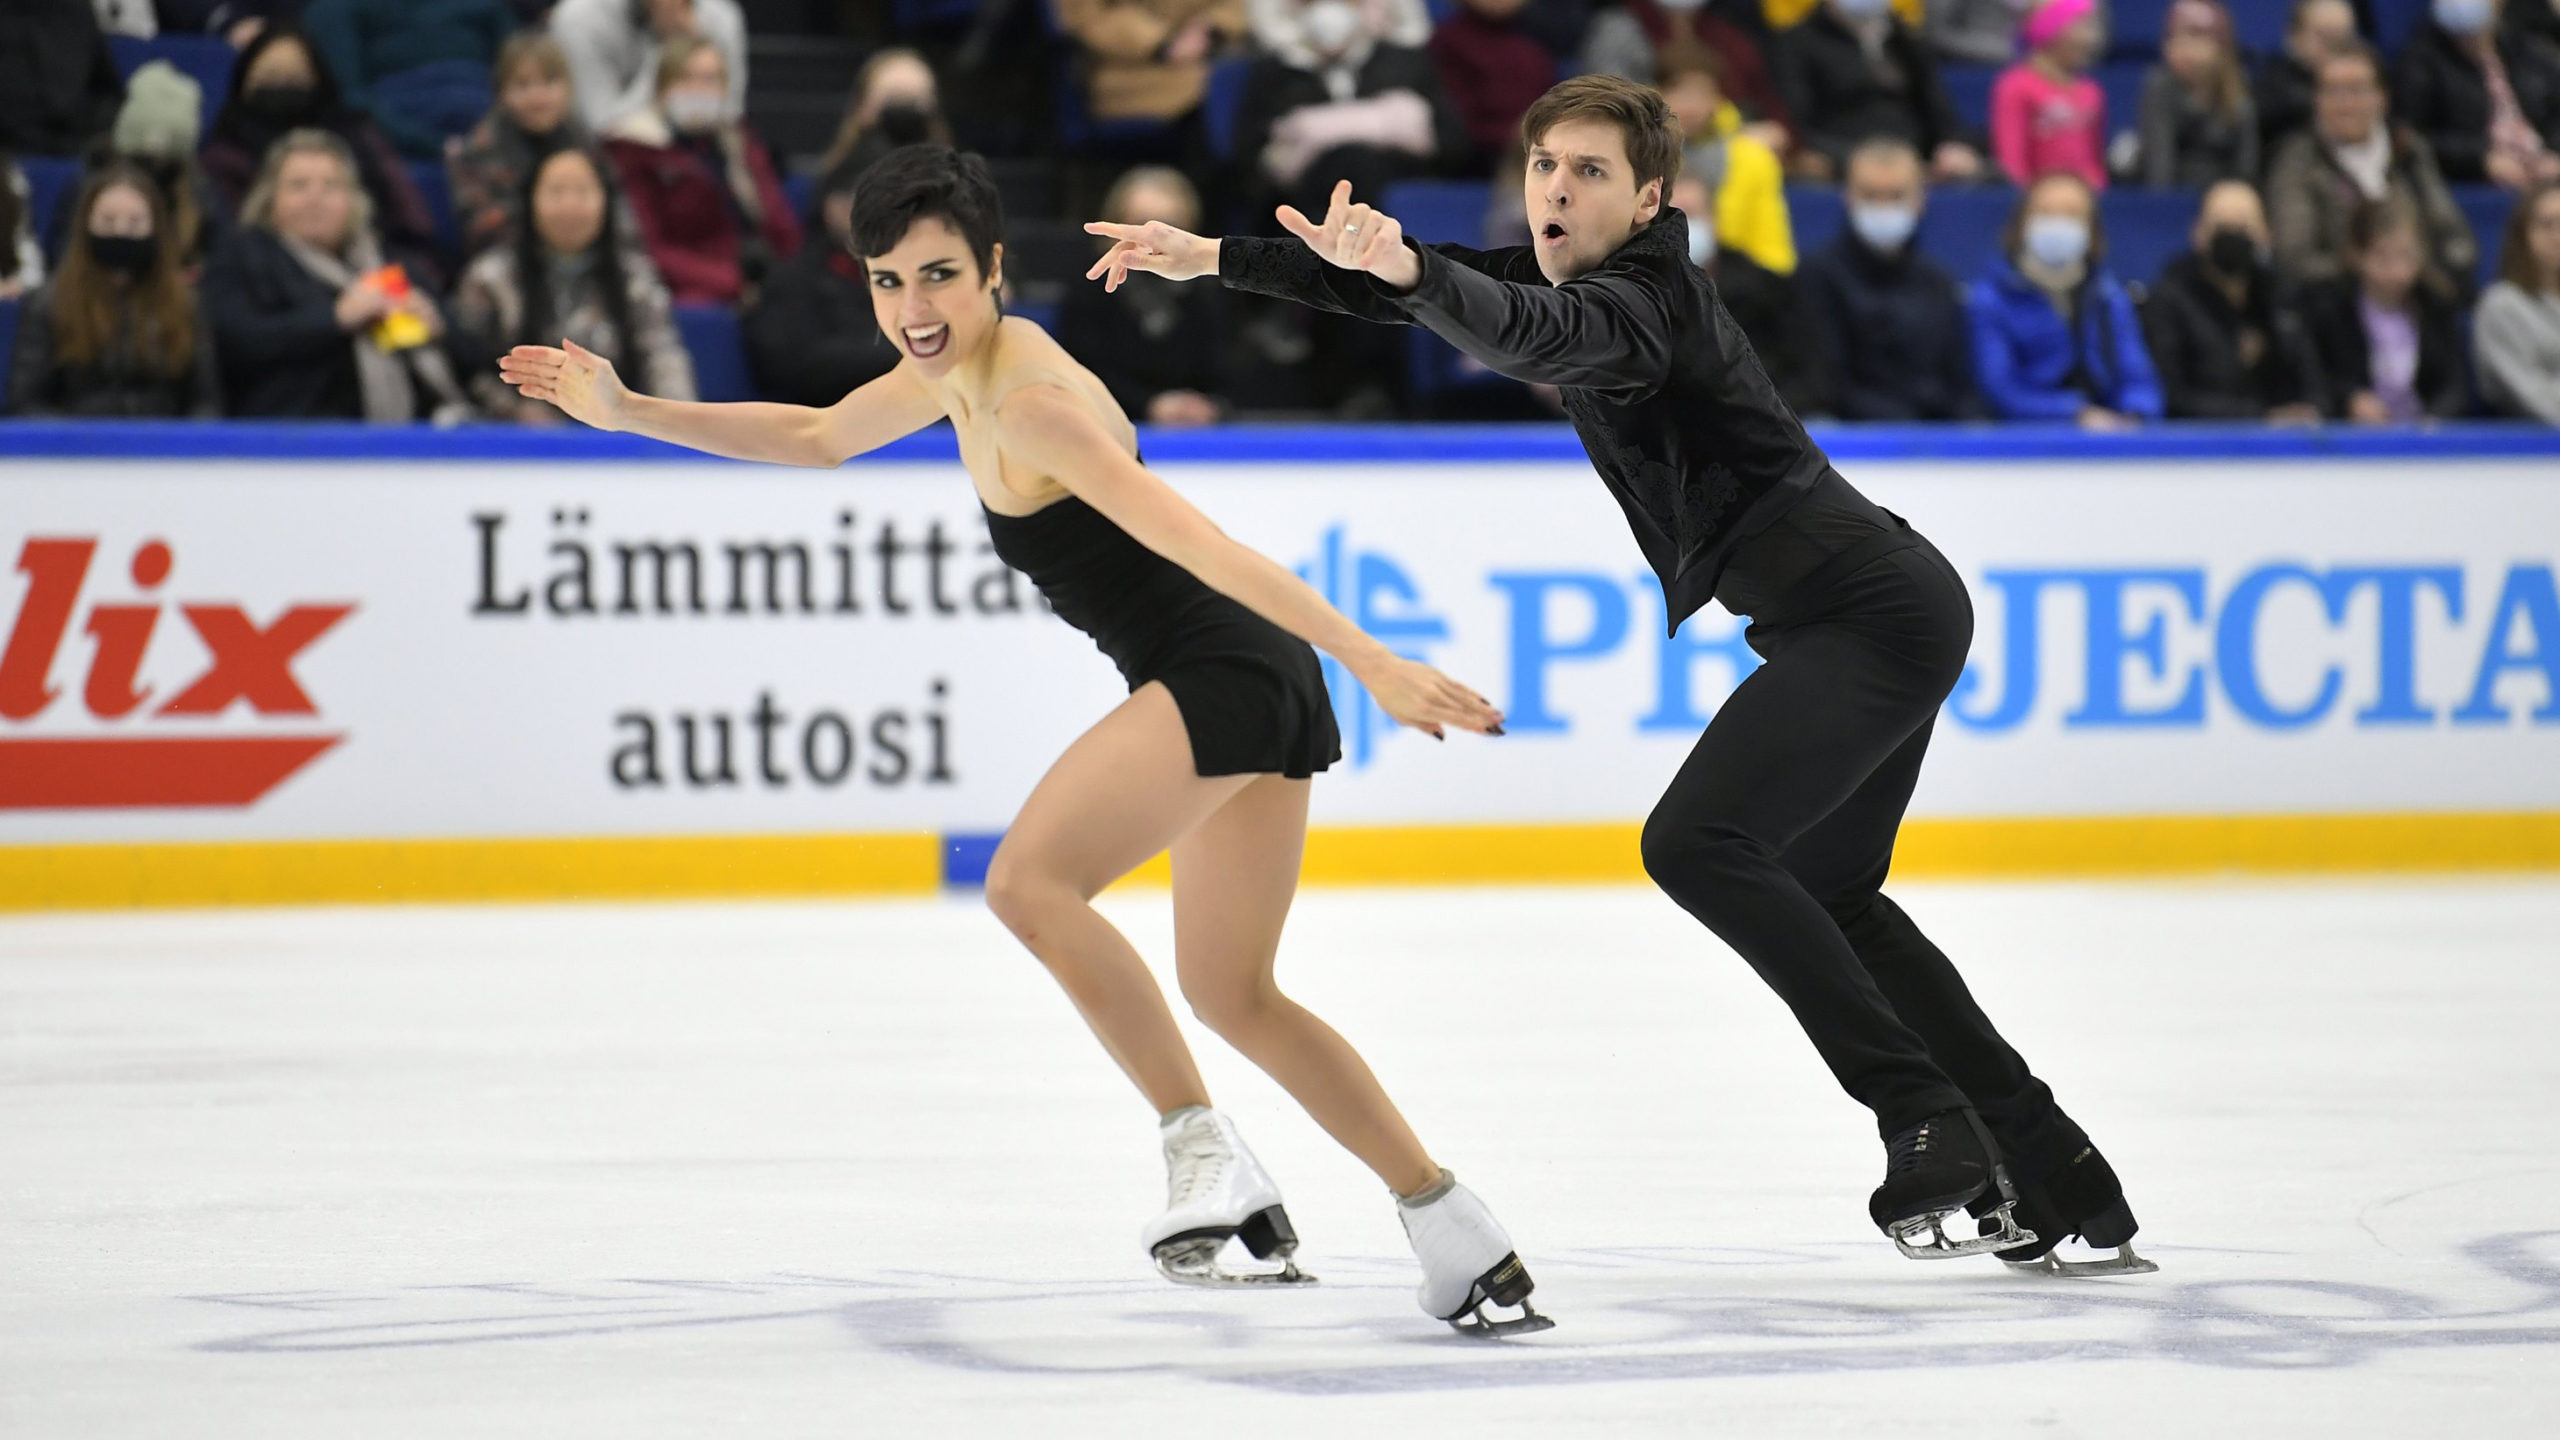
pixel 1778 831
pixel 1226 719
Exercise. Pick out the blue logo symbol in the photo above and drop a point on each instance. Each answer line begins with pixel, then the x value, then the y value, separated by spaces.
pixel 1381 599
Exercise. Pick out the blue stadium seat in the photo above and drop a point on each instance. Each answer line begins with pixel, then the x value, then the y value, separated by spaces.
pixel 8 341
pixel 912 17
pixel 50 182
pixel 436 188
pixel 719 349
pixel 801 192
pixel 1043 313
pixel 2121 82
pixel 2394 21
pixel 2134 27
pixel 1222 106
pixel 205 59
pixel 1961 229
pixel 1969 91
pixel 1078 131
pixel 2146 229
pixel 2486 207
pixel 1440 212
pixel 1817 213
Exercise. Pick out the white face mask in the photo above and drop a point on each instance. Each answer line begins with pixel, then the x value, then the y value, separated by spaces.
pixel 1702 241
pixel 1331 26
pixel 1884 227
pixel 693 111
pixel 2058 241
pixel 2465 17
pixel 1862 9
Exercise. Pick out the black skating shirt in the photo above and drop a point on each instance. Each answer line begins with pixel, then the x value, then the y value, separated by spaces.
pixel 1670 403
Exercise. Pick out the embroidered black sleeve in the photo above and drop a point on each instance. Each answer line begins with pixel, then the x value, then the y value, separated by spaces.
pixel 1288 270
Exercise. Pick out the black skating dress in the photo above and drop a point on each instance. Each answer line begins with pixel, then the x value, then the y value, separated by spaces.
pixel 1252 695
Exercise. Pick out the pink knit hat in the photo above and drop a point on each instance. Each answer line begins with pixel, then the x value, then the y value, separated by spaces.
pixel 2051 19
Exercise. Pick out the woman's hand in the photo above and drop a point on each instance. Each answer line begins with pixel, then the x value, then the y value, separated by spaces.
pixel 1419 696
pixel 576 379
pixel 360 305
pixel 1155 247
pixel 1357 237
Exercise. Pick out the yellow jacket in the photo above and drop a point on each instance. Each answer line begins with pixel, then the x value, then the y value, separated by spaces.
pixel 1751 203
pixel 1783 13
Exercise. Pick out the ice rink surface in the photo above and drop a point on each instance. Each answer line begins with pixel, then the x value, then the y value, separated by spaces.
pixel 857 1170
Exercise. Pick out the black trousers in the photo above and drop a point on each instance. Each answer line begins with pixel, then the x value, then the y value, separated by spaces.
pixel 1779 829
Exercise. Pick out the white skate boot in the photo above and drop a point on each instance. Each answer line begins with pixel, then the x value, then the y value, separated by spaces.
pixel 1467 1262
pixel 1214 1189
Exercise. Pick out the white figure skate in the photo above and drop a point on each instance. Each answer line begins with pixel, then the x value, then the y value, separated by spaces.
pixel 1214 1190
pixel 1467 1262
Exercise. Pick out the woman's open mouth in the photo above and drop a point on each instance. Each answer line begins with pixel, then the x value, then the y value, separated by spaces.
pixel 927 342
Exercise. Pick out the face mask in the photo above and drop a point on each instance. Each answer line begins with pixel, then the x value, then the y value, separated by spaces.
pixel 130 254
pixel 1678 7
pixel 282 102
pixel 693 112
pixel 2232 252
pixel 1884 227
pixel 2057 241
pixel 1331 26
pixel 1702 241
pixel 2465 17
pixel 1862 9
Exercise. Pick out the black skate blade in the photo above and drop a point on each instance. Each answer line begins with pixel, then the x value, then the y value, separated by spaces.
pixel 2123 1262
pixel 1476 1325
pixel 1193 1260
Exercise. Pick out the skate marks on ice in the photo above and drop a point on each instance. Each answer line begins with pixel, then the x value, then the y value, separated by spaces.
pixel 1630 1314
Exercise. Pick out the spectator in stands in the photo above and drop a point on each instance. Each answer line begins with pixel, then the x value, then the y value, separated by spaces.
pixel 1744 189
pixel 157 131
pixel 1852 71
pixel 2046 113
pixel 1640 39
pixel 570 272
pixel 2516 334
pixel 419 68
pixel 58 84
pixel 1975 32
pixel 138 19
pixel 2353 154
pixel 895 102
pixel 2054 335
pixel 1777 15
pixel 711 209
pixel 280 85
pixel 615 48
pixel 811 336
pixel 2318 30
pixel 1760 300
pixel 1278 28
pixel 534 118
pixel 21 258
pixel 2224 334
pixel 1149 59
pixel 2485 97
pixel 308 320
pixel 1890 321
pixel 1158 346
pixel 116 332
pixel 1493 68
pixel 1367 110
pixel 2199 125
pixel 2388 332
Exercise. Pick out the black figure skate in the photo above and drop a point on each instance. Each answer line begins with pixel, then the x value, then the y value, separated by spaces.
pixel 1944 1164
pixel 2081 1197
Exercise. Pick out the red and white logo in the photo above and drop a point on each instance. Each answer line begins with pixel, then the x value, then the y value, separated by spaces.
pixel 246 663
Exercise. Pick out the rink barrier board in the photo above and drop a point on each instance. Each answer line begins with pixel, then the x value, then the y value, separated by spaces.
pixel 94 877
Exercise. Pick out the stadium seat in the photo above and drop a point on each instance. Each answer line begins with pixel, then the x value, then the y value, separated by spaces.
pixel 918 17
pixel 1969 91
pixel 436 188
pixel 712 334
pixel 50 182
pixel 2146 229
pixel 1220 108
pixel 8 341
pixel 2394 21
pixel 2121 82
pixel 2486 207
pixel 205 59
pixel 1440 212
pixel 800 191
pixel 1079 133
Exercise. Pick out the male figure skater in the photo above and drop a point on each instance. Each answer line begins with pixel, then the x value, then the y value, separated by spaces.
pixel 1778 830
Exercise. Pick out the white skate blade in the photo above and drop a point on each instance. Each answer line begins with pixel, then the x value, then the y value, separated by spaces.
pixel 1924 1236
pixel 1195 1262
pixel 2123 1262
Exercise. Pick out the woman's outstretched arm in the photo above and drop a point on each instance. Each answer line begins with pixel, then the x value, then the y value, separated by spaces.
pixel 1051 431
pixel 583 384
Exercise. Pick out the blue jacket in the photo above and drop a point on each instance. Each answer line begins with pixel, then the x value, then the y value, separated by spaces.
pixel 2024 354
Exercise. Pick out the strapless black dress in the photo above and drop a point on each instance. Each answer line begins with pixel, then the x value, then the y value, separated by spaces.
pixel 1252 695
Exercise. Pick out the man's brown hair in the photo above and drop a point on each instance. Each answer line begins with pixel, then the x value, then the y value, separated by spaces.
pixel 1643 121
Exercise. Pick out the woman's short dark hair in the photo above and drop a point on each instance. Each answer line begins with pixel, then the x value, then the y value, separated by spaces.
pixel 915 181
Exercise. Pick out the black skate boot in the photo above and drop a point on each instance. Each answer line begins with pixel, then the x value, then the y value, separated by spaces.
pixel 2082 1197
pixel 1944 1164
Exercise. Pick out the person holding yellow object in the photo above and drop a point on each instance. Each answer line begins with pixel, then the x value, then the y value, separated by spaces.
pixel 1740 173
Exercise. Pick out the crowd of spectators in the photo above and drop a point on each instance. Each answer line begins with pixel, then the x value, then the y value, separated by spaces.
pixel 275 255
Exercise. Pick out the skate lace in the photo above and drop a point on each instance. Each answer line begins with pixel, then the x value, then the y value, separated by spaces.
pixel 1197 1161
pixel 1910 1148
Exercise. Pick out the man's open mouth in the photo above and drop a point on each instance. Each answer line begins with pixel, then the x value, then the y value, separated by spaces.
pixel 1551 233
pixel 927 342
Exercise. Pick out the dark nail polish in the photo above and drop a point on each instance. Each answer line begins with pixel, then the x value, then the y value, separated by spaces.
pixel 1496 730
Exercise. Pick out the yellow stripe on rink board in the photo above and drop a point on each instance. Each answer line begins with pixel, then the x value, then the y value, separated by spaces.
pixel 307 872
pixel 97 877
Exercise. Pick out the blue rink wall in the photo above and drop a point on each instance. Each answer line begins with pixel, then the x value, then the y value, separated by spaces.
pixel 255 663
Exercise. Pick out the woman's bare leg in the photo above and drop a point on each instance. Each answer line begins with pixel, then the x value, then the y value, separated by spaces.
pixel 1234 875
pixel 1122 793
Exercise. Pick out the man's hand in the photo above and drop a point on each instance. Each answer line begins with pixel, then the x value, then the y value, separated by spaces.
pixel 1955 160
pixel 576 379
pixel 1181 409
pixel 1357 237
pixel 1155 247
